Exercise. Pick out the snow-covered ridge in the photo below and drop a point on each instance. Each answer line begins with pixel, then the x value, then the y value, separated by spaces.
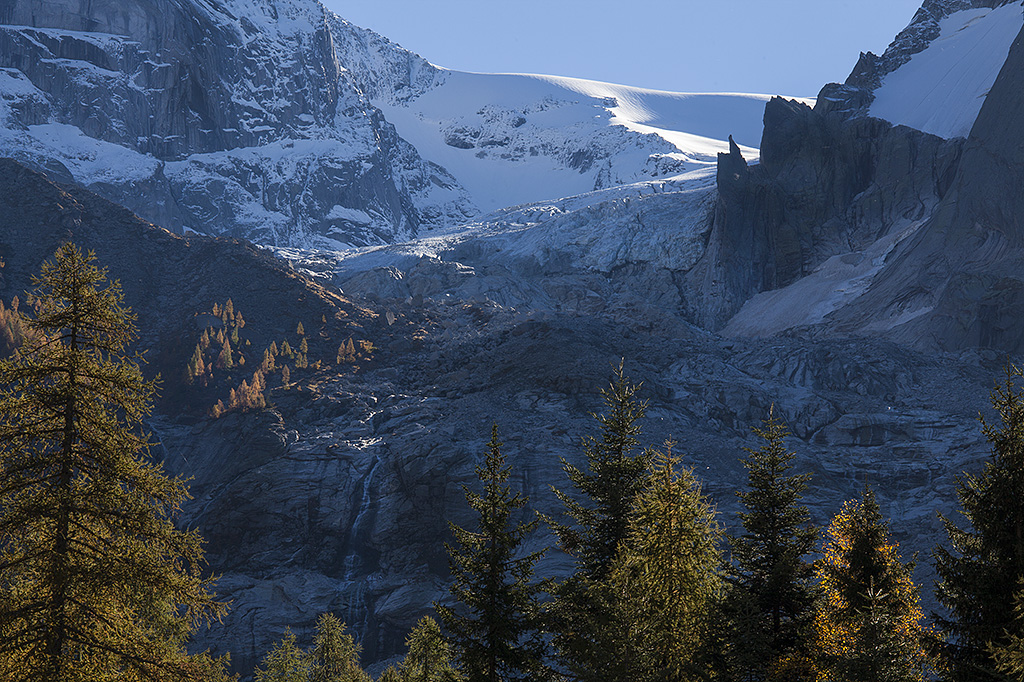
pixel 941 89
pixel 519 138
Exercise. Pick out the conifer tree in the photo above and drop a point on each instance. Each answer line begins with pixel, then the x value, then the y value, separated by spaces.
pixel 668 576
pixel 335 654
pixel 429 658
pixel 771 603
pixel 285 662
pixel 300 330
pixel 981 572
pixel 97 583
pixel 303 346
pixel 1009 655
pixel 390 674
pixel 273 348
pixel 583 611
pixel 286 375
pixel 494 623
pixel 224 360
pixel 218 409
pixel 867 625
pixel 286 350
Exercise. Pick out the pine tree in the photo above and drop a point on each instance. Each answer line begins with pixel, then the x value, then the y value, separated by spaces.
pixel 429 658
pixel 668 575
pixel 772 599
pixel 494 623
pixel 299 330
pixel 286 350
pixel 582 613
pixel 286 375
pixel 982 571
pixel 335 654
pixel 303 346
pixel 285 662
pixel 273 349
pixel 867 625
pixel 97 581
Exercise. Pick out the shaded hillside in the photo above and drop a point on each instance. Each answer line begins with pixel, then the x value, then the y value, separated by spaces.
pixel 169 280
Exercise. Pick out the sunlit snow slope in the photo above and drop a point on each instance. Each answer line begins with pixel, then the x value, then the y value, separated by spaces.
pixel 941 89
pixel 518 138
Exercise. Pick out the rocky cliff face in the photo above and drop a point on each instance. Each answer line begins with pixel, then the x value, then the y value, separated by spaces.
pixel 233 118
pixel 827 185
pixel 917 236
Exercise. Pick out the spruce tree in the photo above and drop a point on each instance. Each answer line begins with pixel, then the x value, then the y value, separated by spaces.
pixel 668 577
pixel 429 658
pixel 582 614
pixel 981 572
pixel 867 625
pixel 95 580
pixel 494 624
pixel 772 596
pixel 335 653
pixel 285 662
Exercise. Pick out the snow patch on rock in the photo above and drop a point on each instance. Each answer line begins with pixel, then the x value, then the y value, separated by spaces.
pixel 941 89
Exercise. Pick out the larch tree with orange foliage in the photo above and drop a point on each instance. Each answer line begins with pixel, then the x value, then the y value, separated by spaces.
pixel 868 625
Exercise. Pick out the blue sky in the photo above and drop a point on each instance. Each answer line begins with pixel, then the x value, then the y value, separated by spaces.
pixel 789 47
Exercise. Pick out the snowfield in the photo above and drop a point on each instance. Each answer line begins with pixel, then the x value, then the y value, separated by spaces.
pixel 519 138
pixel 941 89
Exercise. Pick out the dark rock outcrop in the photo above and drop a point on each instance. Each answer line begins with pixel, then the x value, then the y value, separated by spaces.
pixel 963 274
pixel 826 185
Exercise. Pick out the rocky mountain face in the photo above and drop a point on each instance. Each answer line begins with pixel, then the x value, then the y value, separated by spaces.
pixel 233 118
pixel 919 233
pixel 276 122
